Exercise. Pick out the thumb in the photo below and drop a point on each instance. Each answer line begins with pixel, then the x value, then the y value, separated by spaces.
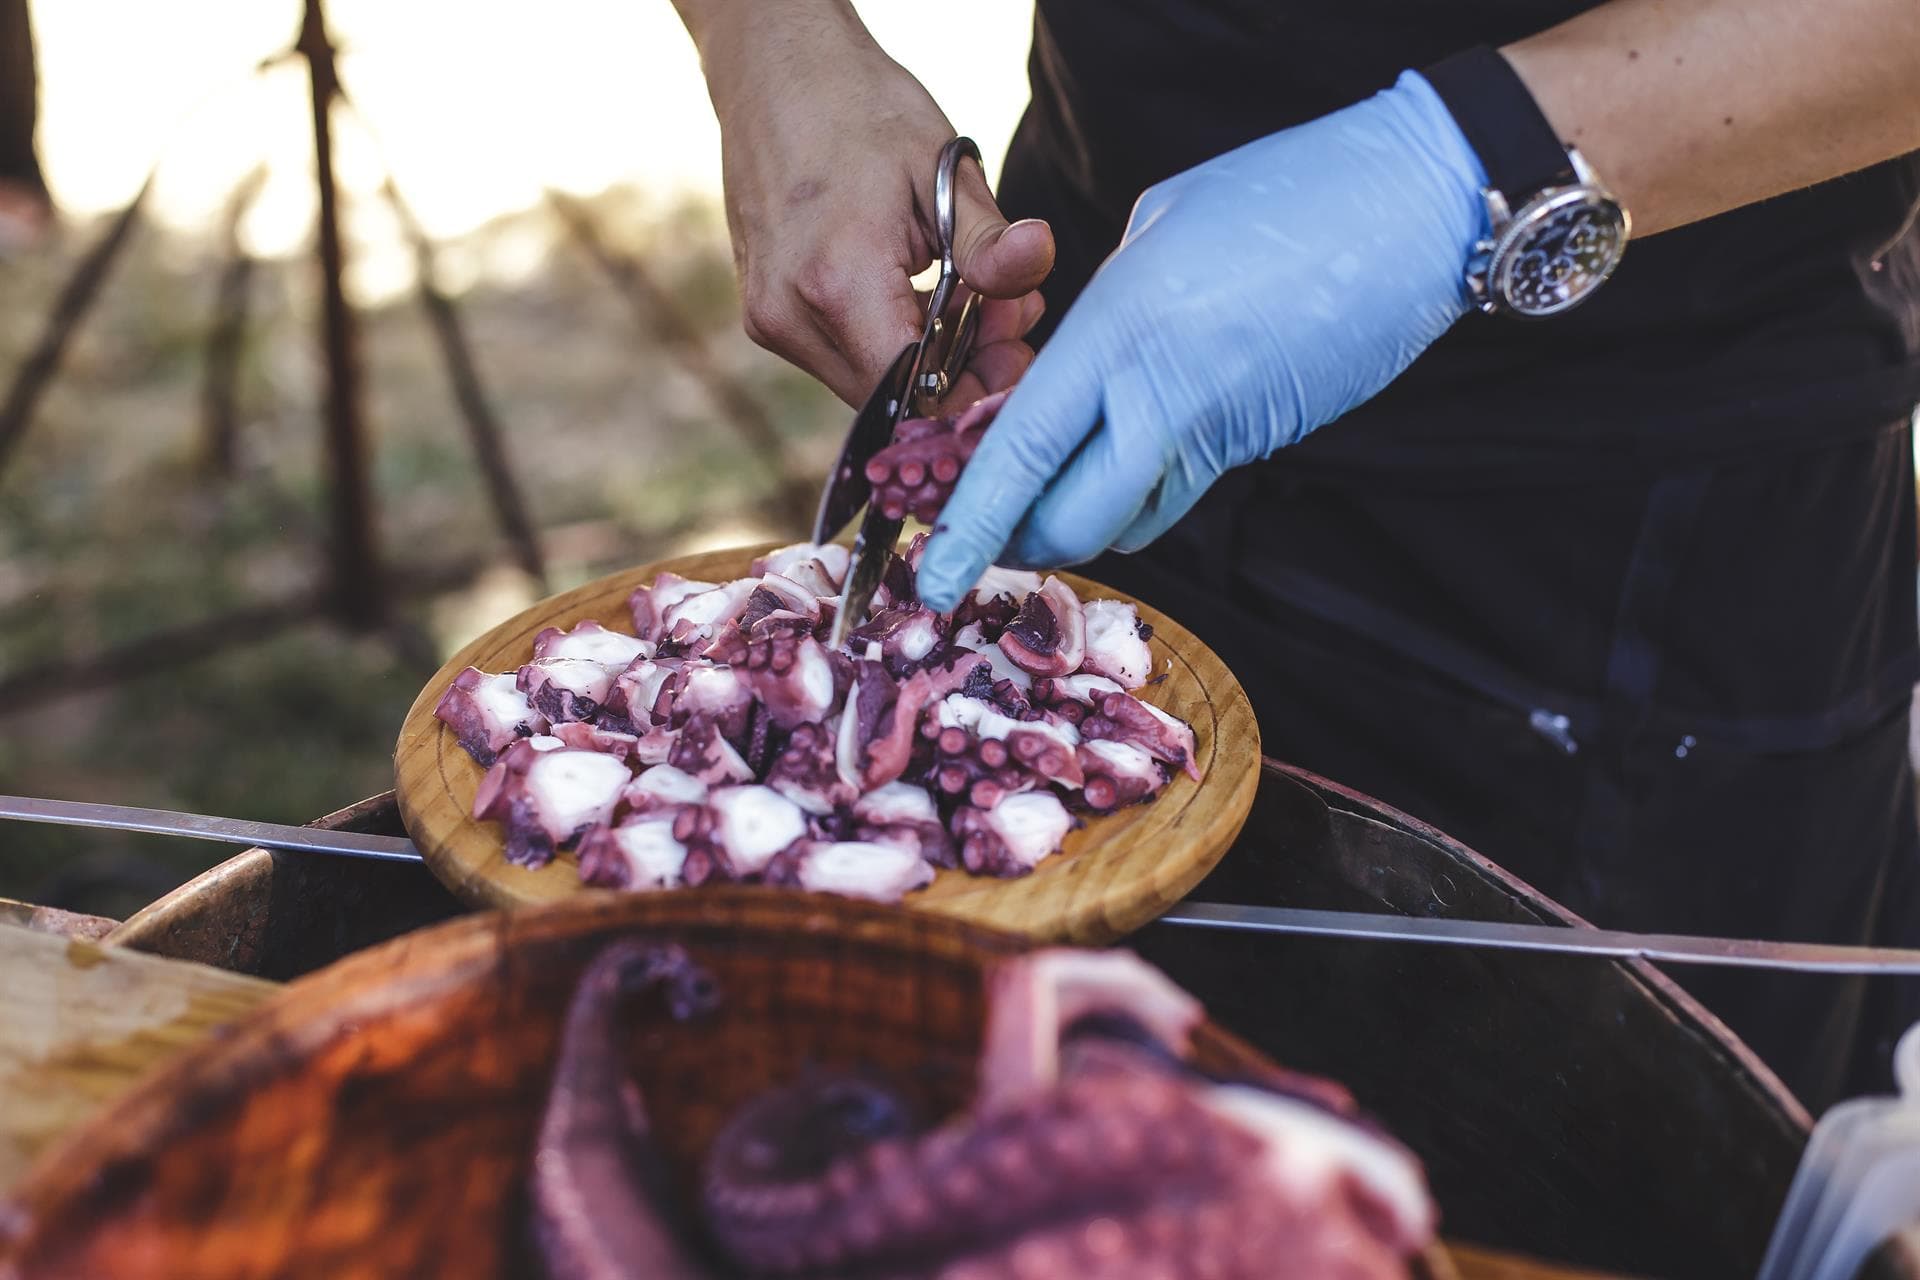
pixel 996 260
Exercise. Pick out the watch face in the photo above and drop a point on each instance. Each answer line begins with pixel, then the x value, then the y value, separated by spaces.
pixel 1557 252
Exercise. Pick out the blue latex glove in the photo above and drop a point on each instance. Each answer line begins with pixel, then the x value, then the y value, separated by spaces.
pixel 1253 298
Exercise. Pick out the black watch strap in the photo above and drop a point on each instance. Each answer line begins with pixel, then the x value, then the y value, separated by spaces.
pixel 1494 109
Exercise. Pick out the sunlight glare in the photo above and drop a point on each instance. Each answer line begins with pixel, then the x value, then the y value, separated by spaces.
pixel 479 106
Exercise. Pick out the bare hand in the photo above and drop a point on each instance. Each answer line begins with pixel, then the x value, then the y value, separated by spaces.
pixel 829 149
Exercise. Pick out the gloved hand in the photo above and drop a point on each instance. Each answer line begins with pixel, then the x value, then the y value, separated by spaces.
pixel 1252 299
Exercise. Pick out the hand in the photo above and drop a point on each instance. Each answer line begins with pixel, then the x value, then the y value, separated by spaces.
pixel 828 148
pixel 1252 299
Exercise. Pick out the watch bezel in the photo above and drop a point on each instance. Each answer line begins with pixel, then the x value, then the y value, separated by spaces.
pixel 1502 253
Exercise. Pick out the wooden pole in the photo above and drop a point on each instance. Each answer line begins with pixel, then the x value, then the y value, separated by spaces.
pixel 226 338
pixel 795 493
pixel 484 431
pixel 356 587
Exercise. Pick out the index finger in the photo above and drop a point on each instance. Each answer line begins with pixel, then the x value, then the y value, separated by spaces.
pixel 1045 419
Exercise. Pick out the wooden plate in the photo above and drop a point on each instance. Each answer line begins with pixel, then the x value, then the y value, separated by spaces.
pixel 376 1119
pixel 1114 875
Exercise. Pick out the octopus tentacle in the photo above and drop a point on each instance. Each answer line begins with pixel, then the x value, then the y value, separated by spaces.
pixel 915 474
pixel 599 1208
pixel 1105 1143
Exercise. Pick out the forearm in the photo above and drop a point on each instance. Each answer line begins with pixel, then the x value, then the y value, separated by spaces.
pixel 1690 108
pixel 751 44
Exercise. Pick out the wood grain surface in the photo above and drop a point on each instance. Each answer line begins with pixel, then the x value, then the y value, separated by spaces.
pixel 1115 874
pixel 80 1023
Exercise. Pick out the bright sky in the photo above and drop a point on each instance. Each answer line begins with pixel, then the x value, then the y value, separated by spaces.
pixel 479 104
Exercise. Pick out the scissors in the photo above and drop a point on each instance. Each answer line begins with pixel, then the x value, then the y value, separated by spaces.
pixel 916 380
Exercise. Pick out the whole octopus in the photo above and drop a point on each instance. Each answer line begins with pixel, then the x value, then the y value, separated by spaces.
pixel 722 740
pixel 1092 1149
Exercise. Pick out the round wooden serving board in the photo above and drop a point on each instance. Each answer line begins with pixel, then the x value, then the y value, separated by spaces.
pixel 377 1118
pixel 1115 874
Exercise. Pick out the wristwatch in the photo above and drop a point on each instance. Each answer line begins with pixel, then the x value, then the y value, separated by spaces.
pixel 1556 232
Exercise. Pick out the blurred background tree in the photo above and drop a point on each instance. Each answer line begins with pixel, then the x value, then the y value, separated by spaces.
pixel 546 187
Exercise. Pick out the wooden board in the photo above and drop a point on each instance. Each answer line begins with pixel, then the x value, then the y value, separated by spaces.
pixel 1115 874
pixel 79 1023
pixel 376 1119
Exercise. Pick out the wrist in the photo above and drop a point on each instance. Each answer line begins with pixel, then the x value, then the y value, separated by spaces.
pixel 1452 172
pixel 741 42
pixel 1554 232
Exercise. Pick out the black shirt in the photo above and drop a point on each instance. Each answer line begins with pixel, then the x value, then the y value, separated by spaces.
pixel 1625 599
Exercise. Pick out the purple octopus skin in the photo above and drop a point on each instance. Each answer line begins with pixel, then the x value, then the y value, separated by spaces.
pixel 640 853
pixel 1073 695
pixel 599 1210
pixel 1117 774
pixel 1124 718
pixel 649 604
pixel 719 694
pixel 777 594
pixel 563 689
pixel 915 474
pixel 1092 1150
pixel 487 713
pixel 971 770
pixel 583 736
pixel 694 619
pixel 1048 637
pixel 906 633
pixel 904 815
pixel 546 798
pixel 889 744
pixel 699 749
pixel 791 675
pixel 742 827
pixel 640 692
pixel 806 772
pixel 1013 835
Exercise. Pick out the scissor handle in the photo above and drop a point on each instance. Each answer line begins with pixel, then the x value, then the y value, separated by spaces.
pixel 932 382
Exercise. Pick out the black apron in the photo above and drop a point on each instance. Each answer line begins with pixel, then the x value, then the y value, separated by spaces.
pixel 1625 600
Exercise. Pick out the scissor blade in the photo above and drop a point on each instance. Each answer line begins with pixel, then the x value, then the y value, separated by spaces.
pixel 847 487
pixel 871 547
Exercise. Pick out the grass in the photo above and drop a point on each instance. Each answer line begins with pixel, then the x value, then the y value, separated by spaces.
pixel 112 524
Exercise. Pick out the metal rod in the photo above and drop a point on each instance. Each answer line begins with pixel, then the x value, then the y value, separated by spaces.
pixel 1810 957
pixel 266 835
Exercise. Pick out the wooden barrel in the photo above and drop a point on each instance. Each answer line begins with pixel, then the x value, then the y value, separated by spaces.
pixel 279 915
pixel 1576 1109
